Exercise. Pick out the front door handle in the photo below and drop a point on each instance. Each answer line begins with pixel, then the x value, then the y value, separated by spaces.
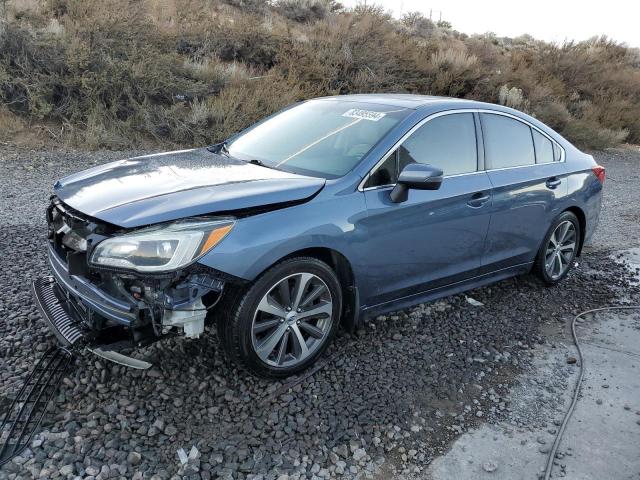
pixel 478 199
pixel 553 182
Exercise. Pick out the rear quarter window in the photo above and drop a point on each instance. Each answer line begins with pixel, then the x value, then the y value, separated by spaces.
pixel 507 142
pixel 557 152
pixel 544 148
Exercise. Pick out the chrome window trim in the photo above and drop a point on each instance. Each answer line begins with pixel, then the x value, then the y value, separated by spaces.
pixel 477 172
pixel 452 112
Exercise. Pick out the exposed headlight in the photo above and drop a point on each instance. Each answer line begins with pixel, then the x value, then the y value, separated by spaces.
pixel 161 248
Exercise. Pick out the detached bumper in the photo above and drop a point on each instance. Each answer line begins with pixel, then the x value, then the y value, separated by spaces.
pixel 68 326
pixel 57 311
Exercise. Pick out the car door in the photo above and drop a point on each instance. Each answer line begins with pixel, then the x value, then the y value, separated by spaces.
pixel 435 237
pixel 529 180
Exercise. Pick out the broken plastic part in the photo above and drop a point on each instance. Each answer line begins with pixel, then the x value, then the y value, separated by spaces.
pixel 194 454
pixel 120 358
pixel 190 318
pixel 182 456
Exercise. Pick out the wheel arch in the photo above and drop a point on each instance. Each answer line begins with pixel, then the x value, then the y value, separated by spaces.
pixel 582 220
pixel 343 269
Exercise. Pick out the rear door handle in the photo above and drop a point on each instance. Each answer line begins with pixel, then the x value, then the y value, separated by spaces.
pixel 478 199
pixel 553 182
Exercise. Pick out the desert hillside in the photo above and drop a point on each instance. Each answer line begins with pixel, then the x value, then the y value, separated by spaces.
pixel 123 73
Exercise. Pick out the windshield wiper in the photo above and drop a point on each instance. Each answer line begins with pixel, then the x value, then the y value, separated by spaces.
pixel 255 161
pixel 222 148
pixel 219 148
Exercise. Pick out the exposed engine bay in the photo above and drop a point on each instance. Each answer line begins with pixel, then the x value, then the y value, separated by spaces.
pixel 118 308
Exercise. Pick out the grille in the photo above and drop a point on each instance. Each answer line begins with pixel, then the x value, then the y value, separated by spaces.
pixel 30 405
pixel 68 230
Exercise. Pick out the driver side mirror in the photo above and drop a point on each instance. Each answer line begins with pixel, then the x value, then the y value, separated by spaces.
pixel 418 176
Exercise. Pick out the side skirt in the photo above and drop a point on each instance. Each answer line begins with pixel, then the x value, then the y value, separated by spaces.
pixel 445 291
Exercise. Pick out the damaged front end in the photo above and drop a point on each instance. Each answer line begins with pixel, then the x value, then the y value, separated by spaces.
pixel 113 290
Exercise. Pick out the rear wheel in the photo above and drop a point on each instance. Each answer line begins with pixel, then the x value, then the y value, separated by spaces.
pixel 284 321
pixel 559 248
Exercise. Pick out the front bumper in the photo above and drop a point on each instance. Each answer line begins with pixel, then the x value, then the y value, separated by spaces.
pixel 69 303
pixel 68 327
pixel 88 295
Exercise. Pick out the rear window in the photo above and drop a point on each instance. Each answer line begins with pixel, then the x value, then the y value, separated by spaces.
pixel 507 142
pixel 323 138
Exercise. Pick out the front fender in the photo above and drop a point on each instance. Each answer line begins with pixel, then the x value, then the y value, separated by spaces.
pixel 257 242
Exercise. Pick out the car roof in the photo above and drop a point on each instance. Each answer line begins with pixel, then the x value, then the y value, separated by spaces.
pixel 428 104
pixel 403 100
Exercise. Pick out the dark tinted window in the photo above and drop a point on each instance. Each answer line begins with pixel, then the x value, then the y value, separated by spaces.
pixel 507 142
pixel 447 142
pixel 544 147
pixel 385 174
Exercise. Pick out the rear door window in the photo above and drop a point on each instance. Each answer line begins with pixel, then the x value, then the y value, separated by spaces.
pixel 507 142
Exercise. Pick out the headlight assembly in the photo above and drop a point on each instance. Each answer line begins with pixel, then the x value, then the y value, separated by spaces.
pixel 161 248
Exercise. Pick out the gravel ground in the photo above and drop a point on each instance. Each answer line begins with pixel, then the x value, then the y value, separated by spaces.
pixel 619 224
pixel 389 400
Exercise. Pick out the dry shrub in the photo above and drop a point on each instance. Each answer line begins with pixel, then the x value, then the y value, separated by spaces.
pixel 253 6
pixel 119 73
pixel 512 97
pixel 247 38
pixel 454 71
pixel 350 53
pixel 554 114
pixel 419 25
pixel 10 124
pixel 592 135
pixel 305 10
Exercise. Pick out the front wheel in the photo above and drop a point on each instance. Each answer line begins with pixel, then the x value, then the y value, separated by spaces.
pixel 283 322
pixel 559 248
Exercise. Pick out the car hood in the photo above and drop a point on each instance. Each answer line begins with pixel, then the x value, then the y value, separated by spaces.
pixel 168 186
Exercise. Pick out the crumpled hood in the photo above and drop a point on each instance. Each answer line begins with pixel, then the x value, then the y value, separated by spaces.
pixel 168 186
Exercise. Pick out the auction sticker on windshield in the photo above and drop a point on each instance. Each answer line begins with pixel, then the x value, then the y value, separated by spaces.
pixel 363 114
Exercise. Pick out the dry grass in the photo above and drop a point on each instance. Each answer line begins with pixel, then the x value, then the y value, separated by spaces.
pixel 10 124
pixel 120 73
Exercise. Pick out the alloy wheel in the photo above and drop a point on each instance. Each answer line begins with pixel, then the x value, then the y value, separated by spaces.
pixel 292 320
pixel 560 249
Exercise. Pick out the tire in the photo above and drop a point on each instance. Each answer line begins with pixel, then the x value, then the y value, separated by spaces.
pixel 252 318
pixel 555 259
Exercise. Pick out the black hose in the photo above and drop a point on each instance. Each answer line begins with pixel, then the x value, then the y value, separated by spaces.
pixel 576 391
pixel 156 329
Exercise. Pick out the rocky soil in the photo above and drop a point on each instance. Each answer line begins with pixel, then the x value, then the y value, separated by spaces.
pixel 387 401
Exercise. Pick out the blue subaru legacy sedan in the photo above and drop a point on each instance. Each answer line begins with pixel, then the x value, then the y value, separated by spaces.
pixel 327 212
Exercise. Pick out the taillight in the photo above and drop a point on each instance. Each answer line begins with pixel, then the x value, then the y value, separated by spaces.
pixel 599 171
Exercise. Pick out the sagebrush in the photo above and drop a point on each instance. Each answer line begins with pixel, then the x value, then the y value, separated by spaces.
pixel 121 73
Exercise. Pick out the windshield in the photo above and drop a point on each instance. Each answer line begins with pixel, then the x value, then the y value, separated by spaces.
pixel 325 138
